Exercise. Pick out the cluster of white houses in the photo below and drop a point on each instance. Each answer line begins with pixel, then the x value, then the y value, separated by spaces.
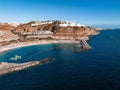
pixel 61 23
pixel 39 32
pixel 68 23
pixel 37 23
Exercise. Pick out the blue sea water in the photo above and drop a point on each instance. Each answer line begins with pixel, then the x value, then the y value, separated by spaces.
pixel 96 69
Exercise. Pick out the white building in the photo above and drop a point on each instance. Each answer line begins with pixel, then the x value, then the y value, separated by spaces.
pixel 42 22
pixel 63 25
pixel 38 32
pixel 43 32
pixel 79 25
pixel 67 23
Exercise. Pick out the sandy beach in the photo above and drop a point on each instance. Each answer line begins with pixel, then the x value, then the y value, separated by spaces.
pixel 23 44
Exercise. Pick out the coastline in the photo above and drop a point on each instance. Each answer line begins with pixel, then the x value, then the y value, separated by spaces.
pixel 6 68
pixel 24 44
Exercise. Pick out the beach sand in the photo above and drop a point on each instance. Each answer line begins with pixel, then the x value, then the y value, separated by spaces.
pixel 23 44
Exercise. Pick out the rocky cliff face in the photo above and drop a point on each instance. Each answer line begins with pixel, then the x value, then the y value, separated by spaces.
pixel 56 29
pixel 6 34
pixel 63 32
pixel 6 26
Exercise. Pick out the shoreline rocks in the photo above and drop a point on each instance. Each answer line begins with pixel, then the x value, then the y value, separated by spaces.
pixel 6 68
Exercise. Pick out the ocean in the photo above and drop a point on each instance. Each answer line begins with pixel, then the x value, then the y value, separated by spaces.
pixel 95 69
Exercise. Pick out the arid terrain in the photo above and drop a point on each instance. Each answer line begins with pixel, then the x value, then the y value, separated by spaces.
pixel 38 30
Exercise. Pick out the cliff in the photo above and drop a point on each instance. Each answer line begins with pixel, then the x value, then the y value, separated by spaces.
pixel 55 28
pixel 59 30
pixel 7 26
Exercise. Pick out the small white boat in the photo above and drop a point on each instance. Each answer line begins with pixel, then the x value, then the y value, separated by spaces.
pixel 15 58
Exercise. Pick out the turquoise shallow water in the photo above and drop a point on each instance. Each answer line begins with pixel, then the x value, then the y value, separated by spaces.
pixel 96 69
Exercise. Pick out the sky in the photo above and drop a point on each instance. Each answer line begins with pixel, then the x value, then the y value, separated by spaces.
pixel 81 11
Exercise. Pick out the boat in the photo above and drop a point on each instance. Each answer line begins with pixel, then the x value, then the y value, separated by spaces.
pixel 15 58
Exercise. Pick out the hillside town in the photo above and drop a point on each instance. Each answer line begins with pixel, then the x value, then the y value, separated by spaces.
pixel 44 30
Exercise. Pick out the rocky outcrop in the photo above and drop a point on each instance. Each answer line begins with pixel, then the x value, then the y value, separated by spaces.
pixel 6 26
pixel 58 31
pixel 8 36
pixel 6 68
pixel 54 27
